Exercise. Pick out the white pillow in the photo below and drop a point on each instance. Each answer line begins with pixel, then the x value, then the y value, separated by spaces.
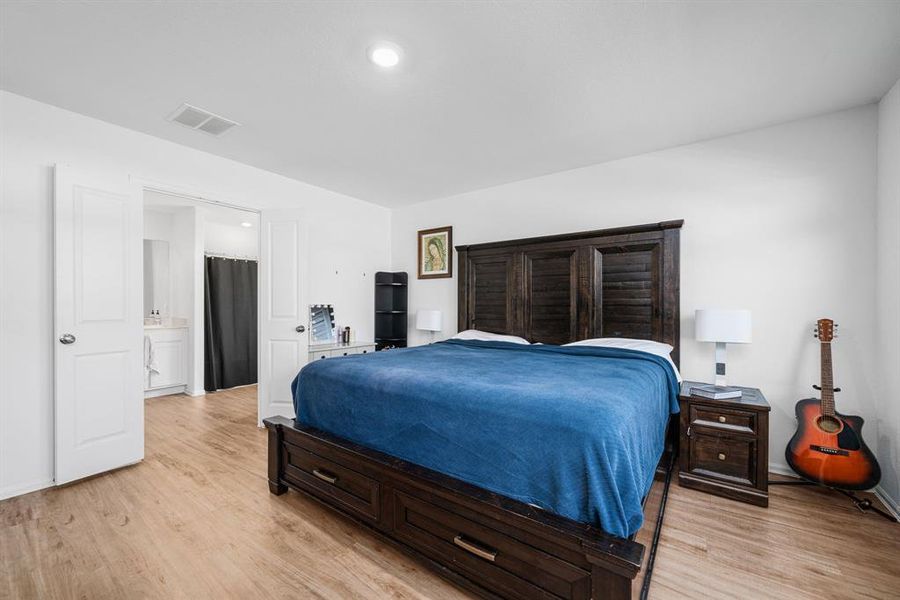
pixel 484 336
pixel 648 346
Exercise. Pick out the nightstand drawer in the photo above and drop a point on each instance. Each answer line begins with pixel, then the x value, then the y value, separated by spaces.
pixel 729 419
pixel 723 457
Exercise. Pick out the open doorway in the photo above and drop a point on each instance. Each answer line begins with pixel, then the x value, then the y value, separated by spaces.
pixel 200 297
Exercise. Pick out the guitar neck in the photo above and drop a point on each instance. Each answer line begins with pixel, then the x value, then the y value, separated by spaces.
pixel 827 381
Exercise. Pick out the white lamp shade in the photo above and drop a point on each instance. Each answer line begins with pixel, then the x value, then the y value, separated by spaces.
pixel 428 320
pixel 718 325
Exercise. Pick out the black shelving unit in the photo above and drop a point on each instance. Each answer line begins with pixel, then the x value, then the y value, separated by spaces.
pixel 390 310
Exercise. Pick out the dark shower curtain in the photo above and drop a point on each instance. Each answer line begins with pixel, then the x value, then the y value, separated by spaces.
pixel 230 318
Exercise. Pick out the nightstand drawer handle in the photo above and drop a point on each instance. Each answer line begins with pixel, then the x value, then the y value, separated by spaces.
pixel 721 456
pixel 721 418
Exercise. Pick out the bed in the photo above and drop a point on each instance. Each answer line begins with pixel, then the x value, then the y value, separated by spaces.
pixel 518 471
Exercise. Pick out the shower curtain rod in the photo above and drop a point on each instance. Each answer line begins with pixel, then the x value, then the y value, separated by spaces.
pixel 231 256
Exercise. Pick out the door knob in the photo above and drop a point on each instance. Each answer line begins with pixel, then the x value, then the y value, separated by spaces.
pixel 67 338
pixel 300 329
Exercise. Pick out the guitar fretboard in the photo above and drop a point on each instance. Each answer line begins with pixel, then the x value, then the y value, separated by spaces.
pixel 827 381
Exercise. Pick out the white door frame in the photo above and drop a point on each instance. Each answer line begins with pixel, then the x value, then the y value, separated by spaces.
pixel 205 197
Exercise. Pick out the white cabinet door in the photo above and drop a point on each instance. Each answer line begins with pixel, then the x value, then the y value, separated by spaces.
pixel 170 358
pixel 283 311
pixel 98 327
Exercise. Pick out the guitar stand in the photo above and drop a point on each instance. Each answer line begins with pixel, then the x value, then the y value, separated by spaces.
pixel 863 504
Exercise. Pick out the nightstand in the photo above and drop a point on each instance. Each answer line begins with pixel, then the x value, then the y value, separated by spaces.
pixel 725 445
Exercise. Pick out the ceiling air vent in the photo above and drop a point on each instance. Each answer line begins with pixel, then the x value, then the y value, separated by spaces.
pixel 197 118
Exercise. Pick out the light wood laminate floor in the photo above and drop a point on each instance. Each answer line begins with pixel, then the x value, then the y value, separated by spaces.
pixel 195 520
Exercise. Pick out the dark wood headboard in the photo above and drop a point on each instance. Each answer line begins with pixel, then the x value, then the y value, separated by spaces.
pixel 620 282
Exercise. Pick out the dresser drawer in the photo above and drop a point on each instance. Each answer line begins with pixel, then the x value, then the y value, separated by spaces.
pixel 727 419
pixel 723 457
pixel 501 563
pixel 339 352
pixel 354 491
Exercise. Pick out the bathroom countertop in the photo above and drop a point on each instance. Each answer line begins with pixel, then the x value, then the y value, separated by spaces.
pixel 169 324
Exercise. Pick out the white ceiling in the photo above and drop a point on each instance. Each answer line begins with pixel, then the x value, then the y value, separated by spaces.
pixel 487 93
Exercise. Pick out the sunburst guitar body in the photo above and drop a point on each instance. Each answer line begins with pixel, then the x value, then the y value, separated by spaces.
pixel 828 447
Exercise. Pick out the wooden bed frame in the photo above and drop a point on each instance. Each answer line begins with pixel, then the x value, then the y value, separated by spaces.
pixel 555 289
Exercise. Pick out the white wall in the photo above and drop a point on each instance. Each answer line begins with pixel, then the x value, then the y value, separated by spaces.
pixel 187 236
pixel 780 221
pixel 176 228
pixel 888 294
pixel 157 225
pixel 34 136
pixel 233 240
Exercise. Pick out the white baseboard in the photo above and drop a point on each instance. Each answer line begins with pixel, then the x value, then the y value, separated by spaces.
pixel 20 489
pixel 169 391
pixel 892 505
pixel 782 469
pixel 195 393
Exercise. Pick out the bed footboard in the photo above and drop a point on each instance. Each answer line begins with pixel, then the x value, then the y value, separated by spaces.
pixel 491 545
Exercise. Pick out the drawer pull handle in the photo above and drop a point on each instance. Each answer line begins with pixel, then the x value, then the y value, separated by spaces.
pixel 721 419
pixel 475 549
pixel 721 456
pixel 325 476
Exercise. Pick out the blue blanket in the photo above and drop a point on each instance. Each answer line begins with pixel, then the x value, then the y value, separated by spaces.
pixel 575 430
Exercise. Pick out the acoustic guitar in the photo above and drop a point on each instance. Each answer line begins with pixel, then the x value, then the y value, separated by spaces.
pixel 828 447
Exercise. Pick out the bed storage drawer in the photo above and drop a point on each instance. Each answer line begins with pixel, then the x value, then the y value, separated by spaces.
pixel 504 564
pixel 355 492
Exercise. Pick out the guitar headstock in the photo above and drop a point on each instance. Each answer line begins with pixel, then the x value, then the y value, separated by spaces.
pixel 825 330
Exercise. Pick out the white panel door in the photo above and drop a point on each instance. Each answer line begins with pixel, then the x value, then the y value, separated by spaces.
pixel 99 342
pixel 283 312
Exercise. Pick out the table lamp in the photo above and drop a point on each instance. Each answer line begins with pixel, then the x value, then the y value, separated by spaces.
pixel 429 320
pixel 722 327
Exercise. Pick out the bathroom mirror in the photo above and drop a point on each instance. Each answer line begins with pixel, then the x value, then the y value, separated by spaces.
pixel 156 277
pixel 321 323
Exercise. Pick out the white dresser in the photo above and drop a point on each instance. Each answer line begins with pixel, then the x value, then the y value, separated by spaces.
pixel 320 351
pixel 170 360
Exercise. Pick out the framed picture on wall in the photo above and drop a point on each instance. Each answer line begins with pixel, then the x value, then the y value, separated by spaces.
pixel 436 253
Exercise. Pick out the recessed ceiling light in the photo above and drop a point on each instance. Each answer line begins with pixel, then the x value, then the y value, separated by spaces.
pixel 246 224
pixel 385 54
